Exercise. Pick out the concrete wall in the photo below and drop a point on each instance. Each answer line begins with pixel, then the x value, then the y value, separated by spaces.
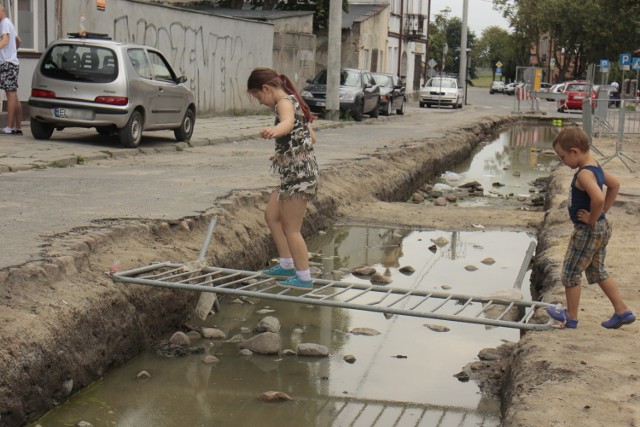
pixel 294 56
pixel 216 54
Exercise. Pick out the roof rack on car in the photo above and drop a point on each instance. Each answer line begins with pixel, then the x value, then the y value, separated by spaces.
pixel 99 36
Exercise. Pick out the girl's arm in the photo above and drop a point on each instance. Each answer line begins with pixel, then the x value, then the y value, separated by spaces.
pixel 314 138
pixel 286 113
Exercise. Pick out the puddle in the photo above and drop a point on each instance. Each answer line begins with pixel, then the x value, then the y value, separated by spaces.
pixel 517 157
pixel 379 389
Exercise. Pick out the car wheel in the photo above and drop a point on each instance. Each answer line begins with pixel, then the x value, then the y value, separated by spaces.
pixel 455 105
pixel 491 92
pixel 428 105
pixel 41 130
pixel 131 134
pixel 358 113
pixel 422 105
pixel 400 110
pixel 184 132
pixel 376 111
pixel 387 108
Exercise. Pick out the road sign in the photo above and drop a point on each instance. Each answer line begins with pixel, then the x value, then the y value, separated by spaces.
pixel 432 63
pixel 604 65
pixel 635 64
pixel 498 64
pixel 625 59
pixel 498 71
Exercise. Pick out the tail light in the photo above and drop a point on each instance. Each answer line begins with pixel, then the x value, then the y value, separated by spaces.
pixel 39 93
pixel 112 100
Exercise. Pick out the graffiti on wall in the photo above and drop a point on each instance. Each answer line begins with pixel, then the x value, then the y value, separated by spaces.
pixel 215 65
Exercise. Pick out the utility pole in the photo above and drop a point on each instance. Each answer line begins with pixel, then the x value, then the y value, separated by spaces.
pixel 332 109
pixel 462 72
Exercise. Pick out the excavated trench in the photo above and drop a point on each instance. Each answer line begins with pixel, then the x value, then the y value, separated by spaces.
pixel 66 322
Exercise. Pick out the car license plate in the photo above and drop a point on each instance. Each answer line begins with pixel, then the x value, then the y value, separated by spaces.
pixel 320 104
pixel 578 97
pixel 72 113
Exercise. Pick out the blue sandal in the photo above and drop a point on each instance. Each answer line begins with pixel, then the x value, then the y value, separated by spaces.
pixel 618 320
pixel 561 315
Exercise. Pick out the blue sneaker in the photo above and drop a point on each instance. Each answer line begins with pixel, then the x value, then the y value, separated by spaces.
pixel 561 315
pixel 618 320
pixel 296 282
pixel 279 271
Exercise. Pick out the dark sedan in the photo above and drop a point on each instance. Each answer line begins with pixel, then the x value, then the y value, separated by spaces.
pixel 392 93
pixel 359 93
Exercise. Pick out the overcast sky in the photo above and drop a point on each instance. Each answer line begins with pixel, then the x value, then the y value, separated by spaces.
pixel 480 15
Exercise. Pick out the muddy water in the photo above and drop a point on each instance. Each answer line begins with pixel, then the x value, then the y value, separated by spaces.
pixel 401 377
pixel 509 163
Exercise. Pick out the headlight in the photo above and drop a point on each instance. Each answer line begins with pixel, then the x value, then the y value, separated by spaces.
pixel 347 96
pixel 384 98
pixel 306 94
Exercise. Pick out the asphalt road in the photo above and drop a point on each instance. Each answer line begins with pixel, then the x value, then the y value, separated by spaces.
pixel 168 181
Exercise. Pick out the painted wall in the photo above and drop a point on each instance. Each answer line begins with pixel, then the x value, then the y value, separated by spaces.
pixel 294 56
pixel 215 53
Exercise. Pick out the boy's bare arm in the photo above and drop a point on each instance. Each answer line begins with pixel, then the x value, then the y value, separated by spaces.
pixel 613 186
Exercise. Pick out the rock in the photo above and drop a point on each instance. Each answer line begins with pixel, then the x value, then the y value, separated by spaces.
pixel 417 197
pixel 446 287
pixel 470 268
pixel 349 358
pixel 67 387
pixel 245 330
pixel 143 376
pixel 364 331
pixel 274 396
pixel 434 194
pixel 380 279
pixel 246 352
pixel 194 335
pixel 488 261
pixel 236 338
pixel 312 350
pixel 437 328
pixel 497 184
pixel 84 424
pixel 407 269
pixel 268 324
pixel 516 173
pixel 440 241
pixel 265 343
pixel 210 359
pixel 452 198
pixel 433 248
pixel 462 376
pixel 537 200
pixel 471 184
pixel 180 339
pixel 213 333
pixel 265 311
pixel 288 352
pixel 440 201
pixel 364 271
pixel 489 354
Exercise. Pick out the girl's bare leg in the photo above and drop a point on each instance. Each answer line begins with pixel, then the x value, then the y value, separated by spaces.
pixel 273 217
pixel 291 216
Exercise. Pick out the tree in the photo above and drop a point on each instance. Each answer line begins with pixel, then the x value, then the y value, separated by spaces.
pixel 449 30
pixel 494 45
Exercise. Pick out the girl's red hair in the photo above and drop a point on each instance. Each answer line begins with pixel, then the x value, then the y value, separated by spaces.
pixel 266 76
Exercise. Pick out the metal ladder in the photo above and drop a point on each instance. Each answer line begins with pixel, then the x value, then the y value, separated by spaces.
pixel 195 276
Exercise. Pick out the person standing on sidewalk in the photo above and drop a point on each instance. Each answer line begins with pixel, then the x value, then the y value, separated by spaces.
pixel 9 69
pixel 296 163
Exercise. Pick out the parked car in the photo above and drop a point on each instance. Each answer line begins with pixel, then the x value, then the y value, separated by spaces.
pixel 576 92
pixel 556 88
pixel 117 88
pixel 442 91
pixel 510 88
pixel 497 86
pixel 392 93
pixel 359 93
pixel 610 92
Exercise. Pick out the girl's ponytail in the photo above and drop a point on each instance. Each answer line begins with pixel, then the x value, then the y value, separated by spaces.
pixel 291 90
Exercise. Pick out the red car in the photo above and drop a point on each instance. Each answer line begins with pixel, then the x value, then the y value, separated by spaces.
pixel 576 92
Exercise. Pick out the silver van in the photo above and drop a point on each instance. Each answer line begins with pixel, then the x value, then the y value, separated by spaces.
pixel 118 88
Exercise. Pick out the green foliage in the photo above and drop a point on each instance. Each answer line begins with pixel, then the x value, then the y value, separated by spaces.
pixel 449 30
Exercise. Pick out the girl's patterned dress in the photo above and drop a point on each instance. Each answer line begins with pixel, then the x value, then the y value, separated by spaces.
pixel 295 159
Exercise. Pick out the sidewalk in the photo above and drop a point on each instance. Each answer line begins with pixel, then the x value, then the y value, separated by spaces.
pixel 78 145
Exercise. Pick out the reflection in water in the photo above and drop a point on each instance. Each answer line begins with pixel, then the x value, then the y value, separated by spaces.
pixel 379 389
pixel 518 156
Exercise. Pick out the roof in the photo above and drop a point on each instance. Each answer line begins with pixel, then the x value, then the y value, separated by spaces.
pixel 255 14
pixel 361 12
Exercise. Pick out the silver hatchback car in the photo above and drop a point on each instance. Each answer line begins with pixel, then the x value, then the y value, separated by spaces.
pixel 118 88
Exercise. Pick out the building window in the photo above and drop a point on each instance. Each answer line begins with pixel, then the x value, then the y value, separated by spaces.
pixel 23 14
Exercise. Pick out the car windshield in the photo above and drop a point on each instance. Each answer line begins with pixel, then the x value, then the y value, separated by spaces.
pixel 383 80
pixel 347 78
pixel 93 64
pixel 576 87
pixel 438 82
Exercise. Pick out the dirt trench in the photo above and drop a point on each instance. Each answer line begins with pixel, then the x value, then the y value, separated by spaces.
pixel 64 322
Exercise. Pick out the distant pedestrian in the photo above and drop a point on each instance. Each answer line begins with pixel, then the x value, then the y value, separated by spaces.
pixel 295 161
pixel 587 249
pixel 9 69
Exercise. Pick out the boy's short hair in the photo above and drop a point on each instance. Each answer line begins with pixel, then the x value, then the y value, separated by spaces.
pixel 572 137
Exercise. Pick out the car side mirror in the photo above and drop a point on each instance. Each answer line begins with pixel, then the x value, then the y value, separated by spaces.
pixel 181 79
pixel 309 80
pixel 398 86
pixel 368 86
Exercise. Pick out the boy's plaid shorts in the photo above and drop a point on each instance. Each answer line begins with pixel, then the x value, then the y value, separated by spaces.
pixel 586 253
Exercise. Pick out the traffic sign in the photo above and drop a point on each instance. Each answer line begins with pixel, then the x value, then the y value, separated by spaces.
pixel 498 64
pixel 625 59
pixel 635 64
pixel 498 71
pixel 432 63
pixel 604 65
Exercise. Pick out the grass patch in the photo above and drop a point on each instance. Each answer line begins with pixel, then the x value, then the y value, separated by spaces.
pixel 483 81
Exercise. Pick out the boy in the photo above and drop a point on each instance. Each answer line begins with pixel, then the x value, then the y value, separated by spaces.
pixel 588 245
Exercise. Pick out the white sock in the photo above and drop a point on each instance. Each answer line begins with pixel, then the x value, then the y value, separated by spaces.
pixel 304 274
pixel 287 263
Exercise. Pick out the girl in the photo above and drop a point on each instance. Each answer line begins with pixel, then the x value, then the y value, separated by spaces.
pixel 295 161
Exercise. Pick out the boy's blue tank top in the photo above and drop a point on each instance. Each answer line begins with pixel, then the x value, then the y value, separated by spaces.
pixel 579 199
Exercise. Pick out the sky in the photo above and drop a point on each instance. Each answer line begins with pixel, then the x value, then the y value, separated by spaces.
pixel 480 14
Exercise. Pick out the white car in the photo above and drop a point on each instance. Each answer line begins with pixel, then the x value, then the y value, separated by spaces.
pixel 442 91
